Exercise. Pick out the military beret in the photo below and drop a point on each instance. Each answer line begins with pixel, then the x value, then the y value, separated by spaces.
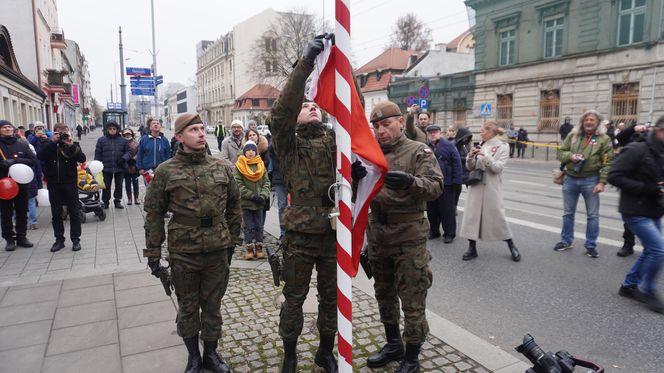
pixel 185 120
pixel 433 127
pixel 384 109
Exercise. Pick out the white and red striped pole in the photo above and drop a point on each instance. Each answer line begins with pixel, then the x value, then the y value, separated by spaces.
pixel 342 106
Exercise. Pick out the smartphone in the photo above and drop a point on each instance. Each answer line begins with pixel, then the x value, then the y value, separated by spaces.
pixel 476 144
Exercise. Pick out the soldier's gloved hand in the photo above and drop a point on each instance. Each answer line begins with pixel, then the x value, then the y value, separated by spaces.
pixel 313 49
pixel 398 180
pixel 258 199
pixel 155 266
pixel 357 171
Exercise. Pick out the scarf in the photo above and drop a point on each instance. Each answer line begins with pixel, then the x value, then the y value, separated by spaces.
pixel 243 163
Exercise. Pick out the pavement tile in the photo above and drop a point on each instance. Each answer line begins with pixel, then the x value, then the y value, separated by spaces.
pixel 135 280
pixel 3 290
pixel 86 295
pixel 143 295
pixel 86 282
pixel 103 359
pixel 59 264
pixel 24 335
pixel 81 337
pixel 22 360
pixel 172 360
pixel 148 338
pixel 84 314
pixel 12 315
pixel 35 294
pixel 129 317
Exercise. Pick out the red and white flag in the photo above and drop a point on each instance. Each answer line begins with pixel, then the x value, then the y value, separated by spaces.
pixel 364 146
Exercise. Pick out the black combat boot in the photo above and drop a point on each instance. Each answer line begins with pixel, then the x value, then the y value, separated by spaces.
pixel 324 356
pixel 211 360
pixel 471 253
pixel 392 351
pixel 513 250
pixel 22 241
pixel 11 245
pixel 194 362
pixel 118 204
pixel 290 357
pixel 626 250
pixel 411 363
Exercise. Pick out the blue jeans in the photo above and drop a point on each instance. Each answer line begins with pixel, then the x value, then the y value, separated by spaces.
pixel 253 225
pixel 282 203
pixel 32 211
pixel 648 265
pixel 572 188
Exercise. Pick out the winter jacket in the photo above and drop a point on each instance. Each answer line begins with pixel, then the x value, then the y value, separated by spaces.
pixel 598 153
pixel 249 189
pixel 113 152
pixel 15 151
pixel 449 161
pixel 636 171
pixel 230 149
pixel 462 143
pixel 36 183
pixel 60 162
pixel 274 171
pixel 152 151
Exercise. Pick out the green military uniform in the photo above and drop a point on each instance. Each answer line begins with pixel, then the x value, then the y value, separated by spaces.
pixel 412 131
pixel 307 156
pixel 397 235
pixel 202 194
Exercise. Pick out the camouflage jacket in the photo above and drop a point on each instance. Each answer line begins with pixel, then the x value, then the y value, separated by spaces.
pixel 414 132
pixel 202 194
pixel 306 155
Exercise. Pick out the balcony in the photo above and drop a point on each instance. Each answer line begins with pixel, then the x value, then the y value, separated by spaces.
pixel 54 78
pixel 58 39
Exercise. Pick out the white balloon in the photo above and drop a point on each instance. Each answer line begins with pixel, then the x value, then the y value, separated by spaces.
pixel 21 173
pixel 95 167
pixel 42 198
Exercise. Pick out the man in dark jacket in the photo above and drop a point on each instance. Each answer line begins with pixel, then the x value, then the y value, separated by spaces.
pixel 113 151
pixel 639 173
pixel 61 156
pixel 566 128
pixel 443 209
pixel 13 151
pixel 153 149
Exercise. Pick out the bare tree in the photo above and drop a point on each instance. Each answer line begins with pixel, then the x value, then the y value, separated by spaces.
pixel 281 45
pixel 410 33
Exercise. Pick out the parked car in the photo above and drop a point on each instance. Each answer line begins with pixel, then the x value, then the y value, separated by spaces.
pixel 264 130
pixel 209 129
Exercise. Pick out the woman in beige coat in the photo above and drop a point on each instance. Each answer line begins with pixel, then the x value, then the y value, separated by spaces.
pixel 484 215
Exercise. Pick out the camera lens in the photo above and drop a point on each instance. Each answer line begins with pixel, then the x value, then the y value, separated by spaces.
pixel 530 349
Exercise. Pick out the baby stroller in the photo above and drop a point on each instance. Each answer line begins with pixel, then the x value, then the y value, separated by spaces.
pixel 89 194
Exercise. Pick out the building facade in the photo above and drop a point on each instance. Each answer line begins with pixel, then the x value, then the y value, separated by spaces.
pixel 181 101
pixel 539 61
pixel 255 104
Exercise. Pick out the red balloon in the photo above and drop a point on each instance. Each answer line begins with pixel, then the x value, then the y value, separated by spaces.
pixel 8 188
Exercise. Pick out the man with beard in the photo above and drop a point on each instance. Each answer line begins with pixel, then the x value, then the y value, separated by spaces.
pixel 231 145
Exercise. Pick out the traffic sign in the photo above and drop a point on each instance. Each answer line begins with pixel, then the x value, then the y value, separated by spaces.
pixel 485 110
pixel 142 92
pixel 142 84
pixel 424 104
pixel 114 105
pixel 424 92
pixel 141 71
pixel 159 80
pixel 410 101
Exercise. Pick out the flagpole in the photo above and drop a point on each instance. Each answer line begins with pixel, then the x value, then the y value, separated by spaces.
pixel 343 81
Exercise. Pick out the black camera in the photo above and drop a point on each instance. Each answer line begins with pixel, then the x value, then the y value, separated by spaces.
pixel 578 166
pixel 548 362
pixel 275 265
pixel 64 136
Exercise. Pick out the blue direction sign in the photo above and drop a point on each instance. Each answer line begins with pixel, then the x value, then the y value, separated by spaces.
pixel 424 92
pixel 410 101
pixel 141 71
pixel 142 92
pixel 142 83
pixel 159 80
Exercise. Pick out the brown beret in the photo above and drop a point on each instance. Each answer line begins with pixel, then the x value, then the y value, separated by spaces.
pixel 384 109
pixel 185 120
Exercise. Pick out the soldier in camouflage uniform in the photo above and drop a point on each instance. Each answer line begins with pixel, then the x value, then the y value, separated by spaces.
pixel 306 151
pixel 200 192
pixel 397 235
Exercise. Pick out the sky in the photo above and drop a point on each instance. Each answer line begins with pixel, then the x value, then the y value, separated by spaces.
pixel 179 25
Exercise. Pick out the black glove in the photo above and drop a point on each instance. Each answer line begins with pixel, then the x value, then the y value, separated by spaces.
pixel 456 188
pixel 357 172
pixel 258 199
pixel 155 266
pixel 398 180
pixel 313 49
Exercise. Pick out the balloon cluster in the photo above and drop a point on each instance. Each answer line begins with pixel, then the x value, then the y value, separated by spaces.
pixel 18 174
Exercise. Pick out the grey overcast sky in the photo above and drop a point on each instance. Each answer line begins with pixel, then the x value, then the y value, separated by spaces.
pixel 181 24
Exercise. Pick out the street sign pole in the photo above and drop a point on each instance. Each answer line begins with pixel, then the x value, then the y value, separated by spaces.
pixel 123 86
pixel 154 64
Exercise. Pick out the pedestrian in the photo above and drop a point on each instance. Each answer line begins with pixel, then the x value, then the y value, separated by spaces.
pixel 443 209
pixel 131 177
pixel 252 125
pixel 484 215
pixel 261 143
pixel 462 141
pixel 34 185
pixel 153 149
pixel 396 237
pixel 232 144
pixel 79 131
pixel 13 151
pixel 113 151
pixel 565 128
pixel 201 193
pixel 587 155
pixel 254 186
pixel 639 174
pixel 220 133
pixel 277 182
pixel 307 152
pixel 416 132
pixel 60 157
pixel 512 138
pixel 522 142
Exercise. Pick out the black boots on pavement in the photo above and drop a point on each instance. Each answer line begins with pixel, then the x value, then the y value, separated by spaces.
pixel 57 246
pixel 324 356
pixel 211 360
pixel 471 253
pixel 290 357
pixel 392 351
pixel 11 245
pixel 516 256
pixel 626 250
pixel 194 362
pixel 411 363
pixel 20 241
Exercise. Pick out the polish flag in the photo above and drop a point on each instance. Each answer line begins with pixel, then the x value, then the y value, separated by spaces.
pixel 364 146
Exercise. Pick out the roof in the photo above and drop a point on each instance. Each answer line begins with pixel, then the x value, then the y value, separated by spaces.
pixel 260 91
pixel 454 44
pixel 374 84
pixel 390 59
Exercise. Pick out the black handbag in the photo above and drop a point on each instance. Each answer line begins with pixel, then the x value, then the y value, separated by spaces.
pixel 475 177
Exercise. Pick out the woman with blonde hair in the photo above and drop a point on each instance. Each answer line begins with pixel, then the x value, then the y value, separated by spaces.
pixel 484 216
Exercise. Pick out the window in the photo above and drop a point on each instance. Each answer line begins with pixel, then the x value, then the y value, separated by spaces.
pixel 255 102
pixel 631 21
pixel 553 37
pixel 459 113
pixel 274 66
pixel 504 110
pixel 506 47
pixel 624 102
pixel 268 66
pixel 549 110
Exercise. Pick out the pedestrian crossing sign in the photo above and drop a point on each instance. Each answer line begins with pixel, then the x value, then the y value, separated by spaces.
pixel 485 110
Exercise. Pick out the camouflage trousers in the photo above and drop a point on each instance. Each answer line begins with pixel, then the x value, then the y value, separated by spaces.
pixel 402 273
pixel 301 253
pixel 200 281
